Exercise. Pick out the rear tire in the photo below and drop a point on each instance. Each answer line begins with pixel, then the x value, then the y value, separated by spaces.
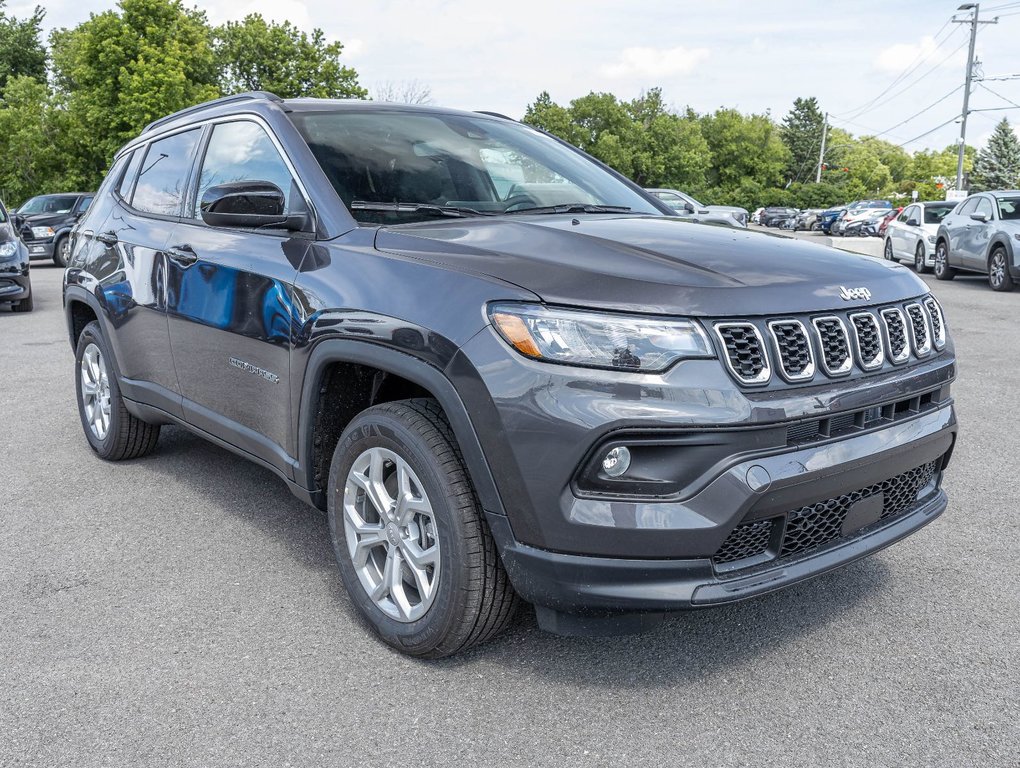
pixel 998 271
pixel 112 431
pixel 919 266
pixel 942 269
pixel 445 589
pixel 887 252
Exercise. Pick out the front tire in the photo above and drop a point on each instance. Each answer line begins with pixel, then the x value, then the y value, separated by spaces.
pixel 942 269
pixel 62 251
pixel 998 271
pixel 112 431
pixel 413 547
pixel 26 304
pixel 919 265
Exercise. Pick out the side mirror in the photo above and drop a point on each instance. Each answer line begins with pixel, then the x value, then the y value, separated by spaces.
pixel 982 217
pixel 913 223
pixel 247 204
pixel 688 208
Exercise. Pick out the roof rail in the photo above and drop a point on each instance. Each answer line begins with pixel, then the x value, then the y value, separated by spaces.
pixel 493 114
pixel 247 96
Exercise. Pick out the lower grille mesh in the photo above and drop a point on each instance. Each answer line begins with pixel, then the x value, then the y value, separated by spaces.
pixel 817 524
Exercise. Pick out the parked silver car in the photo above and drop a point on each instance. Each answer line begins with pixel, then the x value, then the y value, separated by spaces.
pixel 982 234
pixel 690 209
pixel 911 235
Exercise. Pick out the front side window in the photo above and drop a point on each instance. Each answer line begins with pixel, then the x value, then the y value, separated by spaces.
pixel 968 206
pixel 243 151
pixel 985 206
pixel 378 158
pixel 163 178
pixel 905 216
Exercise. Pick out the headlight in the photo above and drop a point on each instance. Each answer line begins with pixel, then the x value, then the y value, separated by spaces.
pixel 41 233
pixel 8 249
pixel 931 239
pixel 598 340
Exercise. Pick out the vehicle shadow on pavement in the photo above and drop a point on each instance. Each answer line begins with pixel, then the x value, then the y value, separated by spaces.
pixel 689 646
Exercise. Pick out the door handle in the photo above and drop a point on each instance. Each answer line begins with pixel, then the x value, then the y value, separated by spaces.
pixel 107 238
pixel 182 254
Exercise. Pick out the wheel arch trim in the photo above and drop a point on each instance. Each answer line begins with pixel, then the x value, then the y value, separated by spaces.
pixel 430 378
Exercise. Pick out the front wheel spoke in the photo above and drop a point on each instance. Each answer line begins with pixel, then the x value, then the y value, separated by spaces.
pixel 382 589
pixel 396 585
pixel 408 506
pixel 90 388
pixel 375 492
pixel 417 563
pixel 365 544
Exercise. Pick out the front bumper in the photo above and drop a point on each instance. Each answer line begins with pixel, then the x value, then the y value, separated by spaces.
pixel 40 249
pixel 15 283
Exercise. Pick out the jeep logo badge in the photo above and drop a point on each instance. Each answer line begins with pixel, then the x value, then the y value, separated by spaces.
pixel 852 294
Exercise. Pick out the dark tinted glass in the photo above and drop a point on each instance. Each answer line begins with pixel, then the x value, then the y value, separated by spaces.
pixel 163 179
pixel 242 151
pixel 445 159
pixel 49 204
pixel 933 214
pixel 127 181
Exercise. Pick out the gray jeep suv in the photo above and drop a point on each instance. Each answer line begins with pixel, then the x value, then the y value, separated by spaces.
pixel 504 370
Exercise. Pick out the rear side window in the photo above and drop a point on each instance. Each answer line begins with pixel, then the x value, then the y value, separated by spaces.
pixel 163 178
pixel 243 151
pixel 933 214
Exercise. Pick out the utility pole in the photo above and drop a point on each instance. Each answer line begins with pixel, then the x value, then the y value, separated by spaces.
pixel 821 152
pixel 973 21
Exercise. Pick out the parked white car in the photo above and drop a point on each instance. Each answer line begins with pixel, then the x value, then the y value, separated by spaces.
pixel 911 235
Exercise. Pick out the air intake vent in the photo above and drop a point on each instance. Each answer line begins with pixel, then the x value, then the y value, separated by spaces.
pixel 938 325
pixel 868 340
pixel 835 346
pixel 745 352
pixel 895 335
pixel 919 330
pixel 796 363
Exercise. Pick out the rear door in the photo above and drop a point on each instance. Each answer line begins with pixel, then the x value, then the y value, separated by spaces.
pixel 230 307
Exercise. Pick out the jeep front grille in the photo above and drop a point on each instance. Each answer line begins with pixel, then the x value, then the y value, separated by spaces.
pixel 835 346
pixel 938 326
pixel 920 340
pixel 868 340
pixel 796 361
pixel 896 335
pixel 745 352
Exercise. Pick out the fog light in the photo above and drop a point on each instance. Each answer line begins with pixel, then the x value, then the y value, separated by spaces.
pixel 616 461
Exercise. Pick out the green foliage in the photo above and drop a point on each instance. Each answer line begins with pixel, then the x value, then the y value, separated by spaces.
pixel 254 55
pixel 744 147
pixel 998 164
pixel 22 52
pixel 801 132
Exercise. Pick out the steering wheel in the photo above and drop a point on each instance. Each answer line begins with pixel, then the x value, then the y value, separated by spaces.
pixel 517 201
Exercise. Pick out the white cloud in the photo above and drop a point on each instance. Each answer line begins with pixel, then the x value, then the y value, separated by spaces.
pixel 901 56
pixel 656 62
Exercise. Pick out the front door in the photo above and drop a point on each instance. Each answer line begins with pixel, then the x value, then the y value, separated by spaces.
pixel 230 304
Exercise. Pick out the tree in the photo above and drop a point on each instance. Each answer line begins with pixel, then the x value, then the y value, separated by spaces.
pixel 403 92
pixel 21 47
pixel 123 68
pixel 254 55
pixel 744 146
pixel 998 164
pixel 801 132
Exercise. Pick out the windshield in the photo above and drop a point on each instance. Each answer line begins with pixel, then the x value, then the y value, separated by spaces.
pixel 1009 208
pixel 933 214
pixel 49 204
pixel 476 165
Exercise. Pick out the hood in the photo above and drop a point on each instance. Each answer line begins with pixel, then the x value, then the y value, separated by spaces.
pixel 653 264
pixel 45 219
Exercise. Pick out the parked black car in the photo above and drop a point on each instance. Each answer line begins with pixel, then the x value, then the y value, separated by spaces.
pixel 45 223
pixel 15 281
pixel 773 217
pixel 503 369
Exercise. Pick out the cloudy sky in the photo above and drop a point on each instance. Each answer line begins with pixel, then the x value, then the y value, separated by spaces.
pixel 754 56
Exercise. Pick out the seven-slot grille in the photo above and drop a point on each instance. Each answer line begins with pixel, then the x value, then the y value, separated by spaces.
pixel 745 352
pixel 796 362
pixel 834 343
pixel 918 330
pixel 868 340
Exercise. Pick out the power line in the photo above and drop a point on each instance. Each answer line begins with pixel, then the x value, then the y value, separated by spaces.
pixel 996 93
pixel 907 71
pixel 918 114
pixel 999 7
pixel 928 133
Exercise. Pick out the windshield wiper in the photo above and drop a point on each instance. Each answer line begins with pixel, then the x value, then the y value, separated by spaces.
pixel 452 211
pixel 573 208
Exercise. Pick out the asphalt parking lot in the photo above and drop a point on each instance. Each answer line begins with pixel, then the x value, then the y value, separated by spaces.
pixel 184 609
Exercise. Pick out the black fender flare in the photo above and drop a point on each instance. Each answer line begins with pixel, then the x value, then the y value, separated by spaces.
pixel 413 369
pixel 997 240
pixel 78 294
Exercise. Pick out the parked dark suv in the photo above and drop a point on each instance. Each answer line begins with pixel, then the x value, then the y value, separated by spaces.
pixel 505 371
pixel 15 282
pixel 45 223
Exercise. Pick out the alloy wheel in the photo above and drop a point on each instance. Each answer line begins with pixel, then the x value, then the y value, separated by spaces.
pixel 391 534
pixel 997 269
pixel 95 391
